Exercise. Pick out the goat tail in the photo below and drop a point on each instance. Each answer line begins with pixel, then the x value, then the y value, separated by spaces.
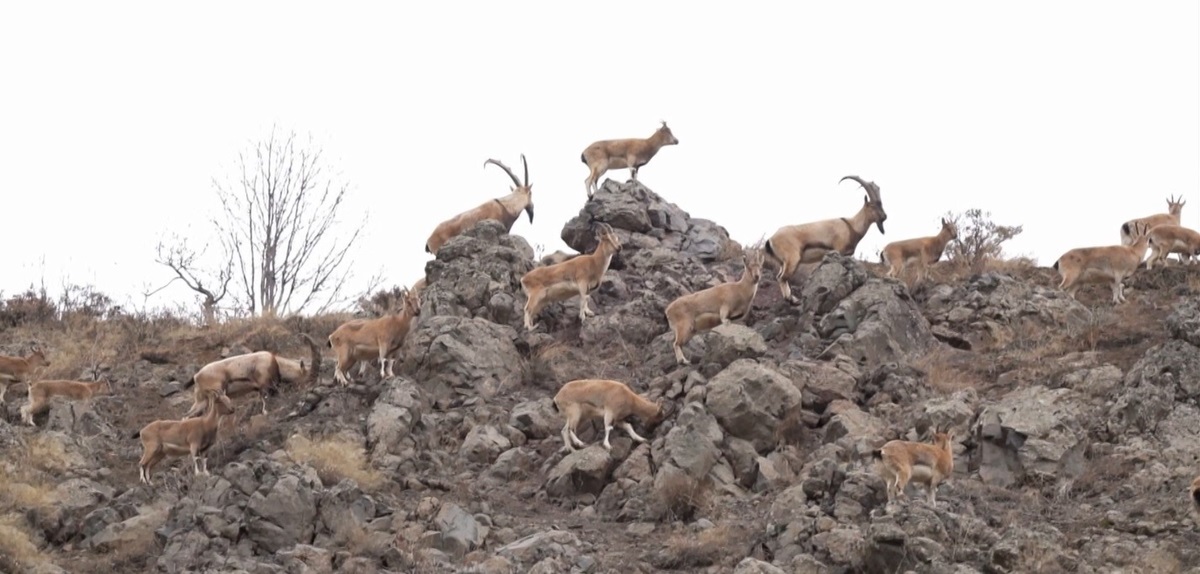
pixel 1196 497
pixel 1055 266
pixel 877 454
pixel 427 248
pixel 583 158
pixel 136 434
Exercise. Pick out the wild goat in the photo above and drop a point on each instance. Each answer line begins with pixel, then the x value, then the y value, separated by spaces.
pixel 506 210
pixel 362 339
pixel 14 370
pixel 1096 264
pixel 629 153
pixel 163 438
pixel 921 251
pixel 714 306
pixel 41 392
pixel 576 276
pixel 809 242
pixel 585 399
pixel 900 461
pixel 260 370
pixel 292 371
pixel 1167 239
pixel 1130 229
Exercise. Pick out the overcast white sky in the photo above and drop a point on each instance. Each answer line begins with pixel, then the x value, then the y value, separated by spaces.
pixel 1065 117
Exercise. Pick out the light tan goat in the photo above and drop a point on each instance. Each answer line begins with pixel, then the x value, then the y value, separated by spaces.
pixel 291 371
pixel 163 438
pixel 1167 239
pixel 16 370
pixel 921 252
pixel 1101 264
pixel 364 339
pixel 630 153
pixel 900 461
pixel 41 392
pixel 260 370
pixel 574 277
pixel 1131 229
pixel 714 306
pixel 614 401
pixel 506 210
pixel 792 245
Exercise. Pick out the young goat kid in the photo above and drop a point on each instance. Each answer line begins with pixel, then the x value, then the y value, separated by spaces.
pixel 1167 239
pixel 901 461
pixel 1101 264
pixel 714 306
pixel 921 252
pixel 576 276
pixel 163 438
pixel 506 210
pixel 630 153
pixel 15 370
pixel 41 392
pixel 1130 230
pixel 586 399
pixel 792 245
pixel 363 339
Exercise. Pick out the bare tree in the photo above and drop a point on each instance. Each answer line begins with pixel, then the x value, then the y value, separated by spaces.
pixel 183 261
pixel 280 211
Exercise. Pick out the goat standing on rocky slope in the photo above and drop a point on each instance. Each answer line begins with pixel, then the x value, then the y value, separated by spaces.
pixel 901 461
pixel 260 370
pixel 1107 263
pixel 922 252
pixel 363 339
pixel 585 399
pixel 41 392
pixel 15 370
pixel 163 438
pixel 506 210
pixel 1130 230
pixel 792 245
pixel 1167 239
pixel 714 306
pixel 576 276
pixel 629 153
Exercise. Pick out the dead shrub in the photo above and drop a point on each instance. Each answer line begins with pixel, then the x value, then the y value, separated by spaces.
pixel 943 375
pixel 335 459
pixel 719 545
pixel 17 548
pixel 980 240
pixel 680 497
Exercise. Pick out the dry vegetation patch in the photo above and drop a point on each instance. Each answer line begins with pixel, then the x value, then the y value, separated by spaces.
pixel 335 458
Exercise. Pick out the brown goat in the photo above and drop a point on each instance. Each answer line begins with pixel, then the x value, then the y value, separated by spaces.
pixel 921 252
pixel 363 339
pixel 570 278
pixel 614 401
pixel 630 153
pixel 714 306
pixel 506 210
pixel 901 461
pixel 1131 229
pixel 1167 239
pixel 163 438
pixel 1106 263
pixel 15 370
pixel 41 392
pixel 792 245
pixel 260 370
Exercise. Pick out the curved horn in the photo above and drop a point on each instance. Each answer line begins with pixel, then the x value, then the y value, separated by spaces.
pixel 516 182
pixel 870 187
pixel 526 164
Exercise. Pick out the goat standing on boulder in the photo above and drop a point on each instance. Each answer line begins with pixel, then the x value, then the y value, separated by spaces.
pixel 14 370
pixel 576 276
pixel 901 461
pixel 506 210
pixel 809 242
pixel 363 339
pixel 922 252
pixel 714 306
pixel 41 392
pixel 630 153
pixel 613 400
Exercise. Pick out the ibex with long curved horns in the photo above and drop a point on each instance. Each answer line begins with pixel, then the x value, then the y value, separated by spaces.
pixel 505 209
pixel 792 245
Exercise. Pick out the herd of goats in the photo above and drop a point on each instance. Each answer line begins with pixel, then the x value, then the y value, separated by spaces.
pixel 560 277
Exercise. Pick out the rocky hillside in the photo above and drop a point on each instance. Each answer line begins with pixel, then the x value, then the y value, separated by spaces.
pixel 1074 423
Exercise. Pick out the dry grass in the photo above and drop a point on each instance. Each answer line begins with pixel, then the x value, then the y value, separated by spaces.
pixel 721 545
pixel 680 498
pixel 943 373
pixel 17 549
pixel 335 458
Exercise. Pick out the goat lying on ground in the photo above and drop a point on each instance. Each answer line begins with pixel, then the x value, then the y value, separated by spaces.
pixel 714 306
pixel 1132 229
pixel 163 438
pixel 260 370
pixel 630 153
pixel 41 392
pixel 585 399
pixel 792 245
pixel 920 252
pixel 1167 239
pixel 362 339
pixel 506 210
pixel 573 277
pixel 1096 264
pixel 901 461
pixel 16 370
